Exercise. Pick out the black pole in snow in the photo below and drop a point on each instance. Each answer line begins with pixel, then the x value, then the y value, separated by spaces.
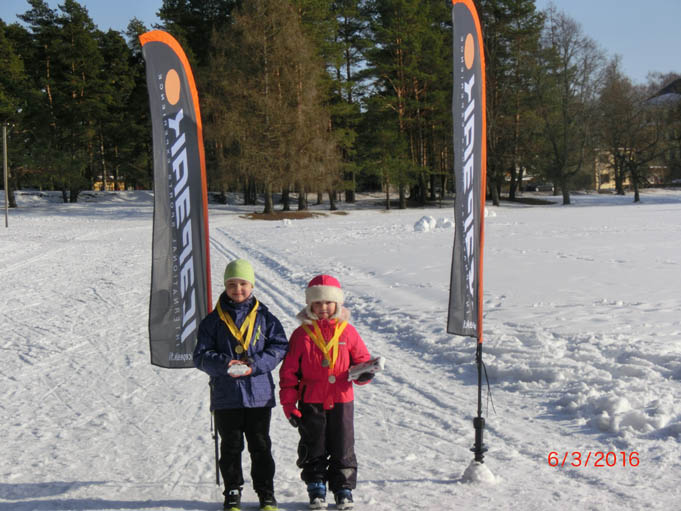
pixel 479 422
pixel 214 427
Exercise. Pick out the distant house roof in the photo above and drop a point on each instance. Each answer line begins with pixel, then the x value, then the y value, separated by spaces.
pixel 669 94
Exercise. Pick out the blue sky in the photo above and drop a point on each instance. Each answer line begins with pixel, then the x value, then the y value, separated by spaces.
pixel 106 14
pixel 645 33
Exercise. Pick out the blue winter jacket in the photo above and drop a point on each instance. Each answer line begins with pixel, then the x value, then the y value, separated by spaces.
pixel 215 349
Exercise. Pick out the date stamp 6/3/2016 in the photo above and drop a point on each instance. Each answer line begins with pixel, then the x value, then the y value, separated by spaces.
pixel 598 459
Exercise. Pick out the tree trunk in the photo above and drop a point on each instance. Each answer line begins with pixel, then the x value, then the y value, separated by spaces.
pixel 493 187
pixel 116 169
pixel 269 205
pixel 11 199
pixel 332 200
pixel 494 190
pixel 302 199
pixel 513 184
pixel 12 184
pixel 634 182
pixel 251 198
pixel 566 193
pixel 73 194
pixel 350 192
pixel 619 182
pixel 403 197
pixel 104 170
pixel 286 198
pixel 521 171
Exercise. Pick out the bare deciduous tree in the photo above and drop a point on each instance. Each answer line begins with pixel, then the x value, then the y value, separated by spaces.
pixel 567 83
pixel 629 128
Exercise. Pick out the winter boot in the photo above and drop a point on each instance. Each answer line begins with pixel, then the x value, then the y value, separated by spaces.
pixel 233 500
pixel 267 502
pixel 343 499
pixel 317 493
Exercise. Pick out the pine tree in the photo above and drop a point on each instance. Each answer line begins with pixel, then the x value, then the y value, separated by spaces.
pixel 265 117
pixel 139 158
pixel 115 135
pixel 13 97
pixel 67 73
pixel 192 22
pixel 345 71
pixel 410 63
pixel 511 30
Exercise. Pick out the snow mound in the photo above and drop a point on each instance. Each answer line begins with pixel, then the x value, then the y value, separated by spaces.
pixel 612 413
pixel 477 472
pixel 444 223
pixel 425 224
pixel 428 223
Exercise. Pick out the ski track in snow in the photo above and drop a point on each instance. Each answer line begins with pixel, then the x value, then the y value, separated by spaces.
pixel 580 365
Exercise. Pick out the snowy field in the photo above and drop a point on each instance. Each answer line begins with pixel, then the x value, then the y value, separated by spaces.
pixel 582 345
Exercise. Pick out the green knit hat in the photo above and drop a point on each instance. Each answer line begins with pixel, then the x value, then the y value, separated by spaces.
pixel 240 269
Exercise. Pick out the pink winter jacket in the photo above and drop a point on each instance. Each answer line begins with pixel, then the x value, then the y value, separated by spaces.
pixel 302 376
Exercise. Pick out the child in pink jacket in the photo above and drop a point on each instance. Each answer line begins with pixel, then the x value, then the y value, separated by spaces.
pixel 317 396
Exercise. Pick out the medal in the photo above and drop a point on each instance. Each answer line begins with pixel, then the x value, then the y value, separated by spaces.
pixel 332 378
pixel 244 334
pixel 329 349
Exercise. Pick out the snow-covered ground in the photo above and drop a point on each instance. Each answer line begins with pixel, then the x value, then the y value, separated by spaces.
pixel 582 346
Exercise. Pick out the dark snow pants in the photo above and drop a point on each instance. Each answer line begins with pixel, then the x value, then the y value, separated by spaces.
pixel 254 423
pixel 326 451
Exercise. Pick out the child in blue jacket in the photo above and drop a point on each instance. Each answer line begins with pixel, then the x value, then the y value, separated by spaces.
pixel 239 344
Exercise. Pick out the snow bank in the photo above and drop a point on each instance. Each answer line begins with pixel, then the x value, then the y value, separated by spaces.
pixel 429 223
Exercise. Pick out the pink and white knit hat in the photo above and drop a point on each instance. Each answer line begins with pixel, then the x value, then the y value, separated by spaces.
pixel 324 288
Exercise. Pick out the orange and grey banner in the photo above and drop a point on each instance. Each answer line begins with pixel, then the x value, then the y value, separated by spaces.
pixel 468 111
pixel 180 272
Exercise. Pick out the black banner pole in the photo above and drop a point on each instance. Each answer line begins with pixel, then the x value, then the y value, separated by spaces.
pixel 479 422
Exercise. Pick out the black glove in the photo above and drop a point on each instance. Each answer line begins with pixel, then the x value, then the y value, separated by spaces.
pixel 365 377
pixel 294 420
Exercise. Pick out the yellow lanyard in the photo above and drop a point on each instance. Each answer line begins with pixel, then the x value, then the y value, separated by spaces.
pixel 238 334
pixel 327 347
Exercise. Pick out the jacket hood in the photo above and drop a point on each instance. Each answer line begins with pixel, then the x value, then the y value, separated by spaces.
pixel 227 303
pixel 307 317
